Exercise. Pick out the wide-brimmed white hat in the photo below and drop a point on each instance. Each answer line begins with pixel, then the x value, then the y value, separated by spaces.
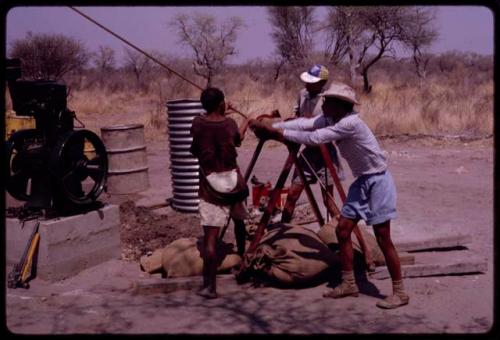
pixel 341 91
pixel 314 74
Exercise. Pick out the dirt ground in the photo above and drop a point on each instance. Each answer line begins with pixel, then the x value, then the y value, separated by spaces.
pixel 445 187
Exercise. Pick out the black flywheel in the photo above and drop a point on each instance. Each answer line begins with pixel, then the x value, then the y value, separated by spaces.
pixel 19 167
pixel 79 164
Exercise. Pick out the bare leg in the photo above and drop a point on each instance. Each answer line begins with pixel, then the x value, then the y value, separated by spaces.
pixel 209 290
pixel 348 285
pixel 333 209
pixel 399 297
pixel 291 200
pixel 370 265
pixel 383 235
pixel 343 231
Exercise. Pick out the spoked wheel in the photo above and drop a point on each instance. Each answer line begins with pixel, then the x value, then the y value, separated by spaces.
pixel 79 165
pixel 19 170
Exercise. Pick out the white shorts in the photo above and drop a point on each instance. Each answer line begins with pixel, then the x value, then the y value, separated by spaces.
pixel 214 215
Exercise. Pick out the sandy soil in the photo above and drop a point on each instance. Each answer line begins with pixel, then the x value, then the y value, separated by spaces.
pixel 444 188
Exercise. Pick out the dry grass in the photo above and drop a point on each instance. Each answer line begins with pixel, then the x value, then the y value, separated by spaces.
pixel 430 108
pixel 456 103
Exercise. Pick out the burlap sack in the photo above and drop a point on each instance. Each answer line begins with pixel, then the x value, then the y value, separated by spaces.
pixel 289 255
pixel 151 263
pixel 183 258
pixel 327 234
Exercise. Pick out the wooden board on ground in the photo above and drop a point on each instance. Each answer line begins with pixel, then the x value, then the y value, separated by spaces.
pixel 438 263
pixel 165 286
pixel 434 243
pixel 406 258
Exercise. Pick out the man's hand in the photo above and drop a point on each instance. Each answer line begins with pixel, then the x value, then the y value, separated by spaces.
pixel 264 130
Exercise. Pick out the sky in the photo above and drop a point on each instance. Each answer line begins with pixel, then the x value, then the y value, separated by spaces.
pixel 461 28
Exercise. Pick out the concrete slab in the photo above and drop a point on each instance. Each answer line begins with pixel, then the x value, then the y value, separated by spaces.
pixel 68 245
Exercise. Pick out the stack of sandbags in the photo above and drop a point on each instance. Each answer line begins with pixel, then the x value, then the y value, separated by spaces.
pixel 183 257
pixel 288 255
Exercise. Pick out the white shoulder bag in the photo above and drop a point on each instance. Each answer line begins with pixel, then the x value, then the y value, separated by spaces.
pixel 224 181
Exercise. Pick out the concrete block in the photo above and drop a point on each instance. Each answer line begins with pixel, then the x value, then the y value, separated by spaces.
pixel 70 244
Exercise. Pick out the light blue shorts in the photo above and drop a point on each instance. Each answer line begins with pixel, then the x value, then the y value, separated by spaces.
pixel 371 198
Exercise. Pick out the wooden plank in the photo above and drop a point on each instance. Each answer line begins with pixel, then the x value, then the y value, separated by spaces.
pixel 165 286
pixel 168 285
pixel 404 258
pixel 434 243
pixel 418 270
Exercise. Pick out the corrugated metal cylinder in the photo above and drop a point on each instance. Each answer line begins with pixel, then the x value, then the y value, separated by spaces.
pixel 127 160
pixel 183 165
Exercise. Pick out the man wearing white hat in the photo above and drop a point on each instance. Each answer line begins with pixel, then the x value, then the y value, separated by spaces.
pixel 371 197
pixel 309 105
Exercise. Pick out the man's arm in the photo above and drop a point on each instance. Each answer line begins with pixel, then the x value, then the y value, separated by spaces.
pixel 316 137
pixel 303 124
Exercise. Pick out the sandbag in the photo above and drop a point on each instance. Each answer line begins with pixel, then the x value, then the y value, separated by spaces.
pixel 182 258
pixel 327 234
pixel 289 255
pixel 151 262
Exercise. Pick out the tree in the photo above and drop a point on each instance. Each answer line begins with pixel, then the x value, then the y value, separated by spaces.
pixel 342 31
pixel 49 56
pixel 104 59
pixel 212 45
pixel 367 34
pixel 420 33
pixel 292 35
pixel 138 64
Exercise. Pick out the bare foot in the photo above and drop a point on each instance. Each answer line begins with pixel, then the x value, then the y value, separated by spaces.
pixel 207 293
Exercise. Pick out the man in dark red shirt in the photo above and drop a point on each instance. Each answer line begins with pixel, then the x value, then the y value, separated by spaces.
pixel 215 138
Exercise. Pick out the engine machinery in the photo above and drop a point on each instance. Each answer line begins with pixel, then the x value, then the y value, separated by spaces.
pixel 53 167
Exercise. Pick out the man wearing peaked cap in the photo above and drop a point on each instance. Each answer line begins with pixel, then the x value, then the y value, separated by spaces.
pixel 315 74
pixel 372 195
pixel 309 105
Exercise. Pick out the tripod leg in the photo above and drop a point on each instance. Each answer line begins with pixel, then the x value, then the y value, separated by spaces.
pixel 308 190
pixel 274 197
pixel 256 154
pixel 329 164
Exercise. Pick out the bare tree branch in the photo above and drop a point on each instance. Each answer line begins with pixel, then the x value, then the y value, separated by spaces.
pixel 211 45
pixel 292 34
pixel 373 32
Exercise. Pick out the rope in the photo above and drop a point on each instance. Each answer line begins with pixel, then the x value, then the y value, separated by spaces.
pixel 147 55
pixel 316 175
